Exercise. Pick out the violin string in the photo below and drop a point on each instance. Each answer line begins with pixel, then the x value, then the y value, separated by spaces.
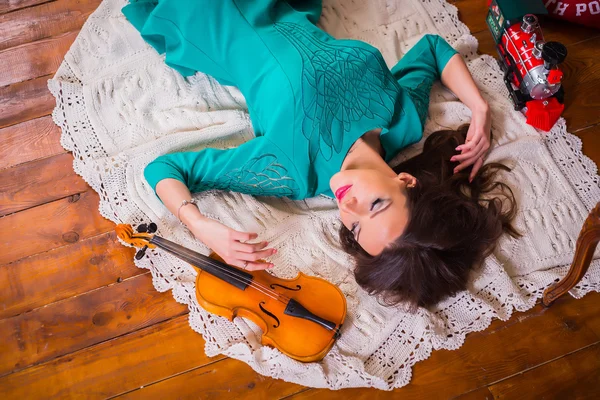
pixel 231 274
pixel 249 282
pixel 261 288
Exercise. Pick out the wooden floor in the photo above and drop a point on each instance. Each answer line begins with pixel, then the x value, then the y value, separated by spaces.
pixel 79 320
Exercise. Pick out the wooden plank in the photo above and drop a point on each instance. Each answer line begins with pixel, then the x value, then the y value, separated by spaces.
pixel 536 337
pixel 82 321
pixel 575 315
pixel 590 138
pixel 227 379
pixel 574 376
pixel 12 5
pixel 64 272
pixel 582 84
pixel 43 21
pixel 472 13
pixel 113 367
pixel 51 225
pixel 479 394
pixel 29 141
pixel 24 101
pixel 33 60
pixel 39 182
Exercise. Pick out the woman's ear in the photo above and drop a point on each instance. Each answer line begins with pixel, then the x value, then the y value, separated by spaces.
pixel 409 180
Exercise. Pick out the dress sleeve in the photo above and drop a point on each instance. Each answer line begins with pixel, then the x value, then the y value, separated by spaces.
pixel 254 167
pixel 425 60
pixel 420 67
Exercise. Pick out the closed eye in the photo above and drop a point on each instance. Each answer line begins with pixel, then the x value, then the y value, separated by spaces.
pixel 374 203
pixel 376 206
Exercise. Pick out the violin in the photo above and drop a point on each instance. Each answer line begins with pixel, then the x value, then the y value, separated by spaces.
pixel 301 317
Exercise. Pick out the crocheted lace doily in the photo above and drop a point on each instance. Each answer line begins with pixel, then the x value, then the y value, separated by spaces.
pixel 119 106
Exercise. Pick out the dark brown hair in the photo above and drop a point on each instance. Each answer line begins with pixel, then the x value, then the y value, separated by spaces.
pixel 453 225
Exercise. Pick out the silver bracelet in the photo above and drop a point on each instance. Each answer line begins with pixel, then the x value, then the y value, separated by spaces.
pixel 185 203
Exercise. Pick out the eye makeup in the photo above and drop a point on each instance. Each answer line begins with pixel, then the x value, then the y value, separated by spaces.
pixel 374 205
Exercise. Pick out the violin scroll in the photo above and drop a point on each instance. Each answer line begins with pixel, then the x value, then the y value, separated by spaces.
pixel 141 239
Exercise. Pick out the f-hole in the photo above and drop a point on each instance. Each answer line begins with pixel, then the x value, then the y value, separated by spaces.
pixel 298 287
pixel 270 314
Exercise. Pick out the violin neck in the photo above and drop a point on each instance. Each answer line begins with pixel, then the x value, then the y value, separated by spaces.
pixel 225 272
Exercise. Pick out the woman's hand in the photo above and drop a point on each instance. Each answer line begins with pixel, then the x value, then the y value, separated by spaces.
pixel 226 242
pixel 230 244
pixel 457 78
pixel 477 144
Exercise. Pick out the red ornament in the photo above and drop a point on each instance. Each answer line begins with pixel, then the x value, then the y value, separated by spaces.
pixel 555 76
pixel 543 114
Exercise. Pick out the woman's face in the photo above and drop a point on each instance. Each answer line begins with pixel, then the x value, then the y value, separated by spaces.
pixel 372 205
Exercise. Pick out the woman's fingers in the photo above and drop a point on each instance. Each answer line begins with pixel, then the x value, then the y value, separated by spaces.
pixel 255 266
pixel 472 154
pixel 467 146
pixel 254 256
pixel 476 168
pixel 469 161
pixel 470 145
pixel 465 164
pixel 248 247
pixel 249 265
pixel 243 236
pixel 476 151
pixel 465 156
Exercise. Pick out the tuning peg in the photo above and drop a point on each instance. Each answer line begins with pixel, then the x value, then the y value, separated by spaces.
pixel 142 228
pixel 152 227
pixel 141 253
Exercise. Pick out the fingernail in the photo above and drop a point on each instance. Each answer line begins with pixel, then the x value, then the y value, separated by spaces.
pixel 452 159
pixel 455 170
pixel 270 266
pixel 273 251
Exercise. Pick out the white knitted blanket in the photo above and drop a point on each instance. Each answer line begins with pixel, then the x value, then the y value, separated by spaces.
pixel 120 106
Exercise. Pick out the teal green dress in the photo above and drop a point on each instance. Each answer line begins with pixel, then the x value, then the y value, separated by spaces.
pixel 310 96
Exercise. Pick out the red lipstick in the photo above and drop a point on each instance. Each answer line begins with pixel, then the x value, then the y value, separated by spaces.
pixel 341 192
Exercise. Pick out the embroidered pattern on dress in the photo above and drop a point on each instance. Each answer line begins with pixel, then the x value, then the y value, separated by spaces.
pixel 259 176
pixel 341 84
pixel 420 97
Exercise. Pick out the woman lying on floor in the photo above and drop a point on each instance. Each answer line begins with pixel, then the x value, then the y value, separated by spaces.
pixel 328 116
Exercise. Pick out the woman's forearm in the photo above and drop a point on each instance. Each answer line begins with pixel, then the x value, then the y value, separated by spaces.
pixel 456 77
pixel 172 193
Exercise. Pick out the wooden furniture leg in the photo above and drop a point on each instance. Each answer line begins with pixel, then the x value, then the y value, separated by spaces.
pixel 584 251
